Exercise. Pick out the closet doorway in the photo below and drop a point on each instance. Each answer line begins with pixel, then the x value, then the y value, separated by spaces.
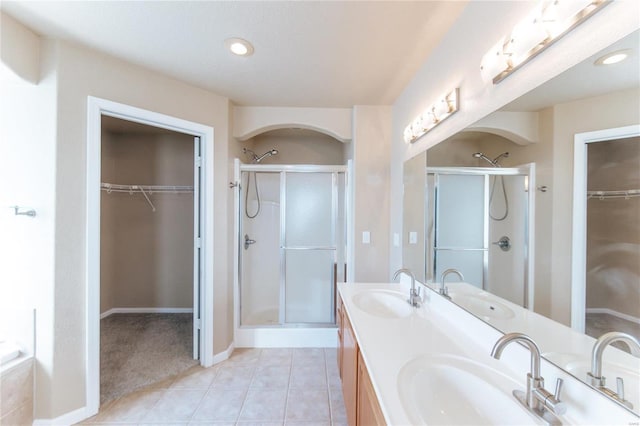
pixel 606 240
pixel 149 227
pixel 148 260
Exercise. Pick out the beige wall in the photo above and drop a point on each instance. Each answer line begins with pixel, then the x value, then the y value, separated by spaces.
pixel 602 112
pixel 28 178
pixel 81 73
pixel 613 227
pixel 296 146
pixel 146 256
pixel 414 214
pixel 371 144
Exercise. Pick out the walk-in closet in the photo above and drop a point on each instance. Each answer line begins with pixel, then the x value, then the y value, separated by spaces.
pixel 146 256
pixel 613 237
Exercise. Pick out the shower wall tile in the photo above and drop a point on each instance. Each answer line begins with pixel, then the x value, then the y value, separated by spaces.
pixel 16 394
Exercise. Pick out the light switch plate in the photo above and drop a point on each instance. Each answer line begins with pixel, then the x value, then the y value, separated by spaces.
pixel 396 239
pixel 366 237
pixel 413 237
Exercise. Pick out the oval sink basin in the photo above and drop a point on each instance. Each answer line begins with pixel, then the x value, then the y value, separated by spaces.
pixel 383 303
pixel 482 306
pixel 450 390
pixel 579 366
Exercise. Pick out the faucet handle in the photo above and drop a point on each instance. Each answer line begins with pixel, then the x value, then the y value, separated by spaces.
pixel 551 402
pixel 620 387
pixel 559 383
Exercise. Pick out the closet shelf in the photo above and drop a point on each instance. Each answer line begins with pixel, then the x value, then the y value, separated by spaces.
pixel 605 195
pixel 174 189
pixel 146 189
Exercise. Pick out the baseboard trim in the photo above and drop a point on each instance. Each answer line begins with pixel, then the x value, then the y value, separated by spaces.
pixel 224 355
pixel 617 314
pixel 70 418
pixel 146 311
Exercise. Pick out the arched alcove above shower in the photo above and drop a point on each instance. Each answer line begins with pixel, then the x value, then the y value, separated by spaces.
pixel 461 149
pixel 251 121
pixel 519 127
pixel 295 146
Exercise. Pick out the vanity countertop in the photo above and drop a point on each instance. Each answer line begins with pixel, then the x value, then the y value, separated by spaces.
pixel 441 328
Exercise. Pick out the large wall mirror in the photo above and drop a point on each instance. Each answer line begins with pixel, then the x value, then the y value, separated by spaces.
pixel 495 202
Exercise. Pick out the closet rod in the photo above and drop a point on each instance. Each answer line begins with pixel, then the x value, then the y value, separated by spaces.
pixel 604 195
pixel 113 187
pixel 144 189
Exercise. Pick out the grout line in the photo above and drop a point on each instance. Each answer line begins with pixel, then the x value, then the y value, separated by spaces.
pixel 286 400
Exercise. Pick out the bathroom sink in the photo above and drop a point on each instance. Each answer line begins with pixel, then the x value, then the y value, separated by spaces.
pixel 383 303
pixel 482 305
pixel 579 366
pixel 451 390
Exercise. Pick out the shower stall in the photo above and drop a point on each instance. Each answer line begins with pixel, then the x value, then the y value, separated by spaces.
pixel 291 246
pixel 478 223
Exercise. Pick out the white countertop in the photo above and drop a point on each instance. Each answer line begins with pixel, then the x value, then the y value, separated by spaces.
pixel 440 327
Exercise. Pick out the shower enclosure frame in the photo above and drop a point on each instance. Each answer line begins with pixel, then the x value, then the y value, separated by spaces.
pixel 528 171
pixel 282 325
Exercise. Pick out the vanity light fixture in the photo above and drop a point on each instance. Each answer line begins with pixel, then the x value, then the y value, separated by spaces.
pixel 239 46
pixel 613 57
pixel 544 25
pixel 432 116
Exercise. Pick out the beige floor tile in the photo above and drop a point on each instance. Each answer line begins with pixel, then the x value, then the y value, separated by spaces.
pixel 307 424
pixel 220 405
pixel 163 424
pixel 245 356
pixel 308 376
pixel 210 423
pixel 240 423
pixel 234 376
pixel 264 405
pixel 176 405
pixel 308 356
pixel 198 378
pixel 336 403
pixel 276 356
pixel 308 405
pixel 271 376
pixel 129 408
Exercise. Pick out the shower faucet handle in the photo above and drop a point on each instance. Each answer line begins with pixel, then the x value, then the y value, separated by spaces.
pixel 248 241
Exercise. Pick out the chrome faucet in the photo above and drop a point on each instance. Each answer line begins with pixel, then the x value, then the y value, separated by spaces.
pixel 414 294
pixel 537 399
pixel 596 379
pixel 443 288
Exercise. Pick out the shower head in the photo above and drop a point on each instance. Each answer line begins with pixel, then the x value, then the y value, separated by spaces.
pixel 503 155
pixel 493 162
pixel 485 158
pixel 266 154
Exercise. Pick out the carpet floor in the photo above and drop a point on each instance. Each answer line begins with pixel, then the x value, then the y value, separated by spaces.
pixel 137 350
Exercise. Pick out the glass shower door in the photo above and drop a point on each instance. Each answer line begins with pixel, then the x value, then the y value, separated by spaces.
pixel 309 250
pixel 461 226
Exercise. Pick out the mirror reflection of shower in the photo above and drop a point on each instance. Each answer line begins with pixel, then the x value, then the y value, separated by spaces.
pixel 495 163
pixel 255 159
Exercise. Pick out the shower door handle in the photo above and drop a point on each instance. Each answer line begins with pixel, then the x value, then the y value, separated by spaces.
pixel 248 241
pixel 504 243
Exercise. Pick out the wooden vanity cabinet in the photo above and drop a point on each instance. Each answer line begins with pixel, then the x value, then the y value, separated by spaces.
pixel 368 409
pixel 360 399
pixel 340 325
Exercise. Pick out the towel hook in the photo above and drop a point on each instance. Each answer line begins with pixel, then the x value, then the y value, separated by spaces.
pixel 20 211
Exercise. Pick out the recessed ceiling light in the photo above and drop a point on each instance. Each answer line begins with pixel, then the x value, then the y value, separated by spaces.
pixel 239 46
pixel 613 57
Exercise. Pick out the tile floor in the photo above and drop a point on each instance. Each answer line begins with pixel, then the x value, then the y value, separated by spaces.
pixel 253 387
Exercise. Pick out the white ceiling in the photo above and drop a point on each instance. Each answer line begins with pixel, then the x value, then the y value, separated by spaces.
pixel 307 53
pixel 586 79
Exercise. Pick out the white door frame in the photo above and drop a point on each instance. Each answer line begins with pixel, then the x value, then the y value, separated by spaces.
pixel 97 107
pixel 579 237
